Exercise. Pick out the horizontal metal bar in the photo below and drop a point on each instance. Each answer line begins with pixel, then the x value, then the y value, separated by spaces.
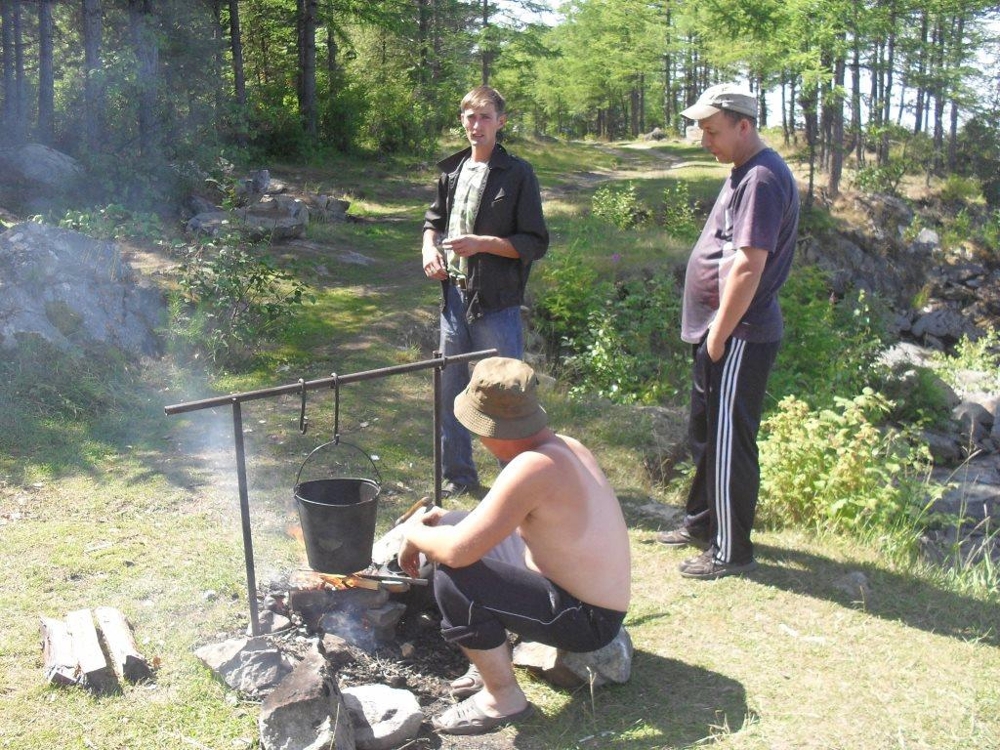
pixel 328 382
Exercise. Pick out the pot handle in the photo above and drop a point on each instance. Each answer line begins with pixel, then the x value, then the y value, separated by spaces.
pixel 337 442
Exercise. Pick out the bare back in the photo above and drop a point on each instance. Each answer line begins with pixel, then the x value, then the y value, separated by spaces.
pixel 575 533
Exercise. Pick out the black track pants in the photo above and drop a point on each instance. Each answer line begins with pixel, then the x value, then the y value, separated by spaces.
pixel 727 398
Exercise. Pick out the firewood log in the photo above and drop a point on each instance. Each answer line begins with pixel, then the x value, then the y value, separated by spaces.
pixel 128 662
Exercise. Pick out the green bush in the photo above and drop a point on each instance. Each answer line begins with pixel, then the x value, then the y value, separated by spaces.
pixel 235 299
pixel 919 398
pixel 831 346
pixel 981 354
pixel 880 178
pixel 113 222
pixel 629 351
pixel 619 206
pixel 990 232
pixel 567 291
pixel 959 189
pixel 679 212
pixel 837 470
pixel 957 231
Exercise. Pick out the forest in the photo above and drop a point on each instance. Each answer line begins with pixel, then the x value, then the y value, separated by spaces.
pixel 141 91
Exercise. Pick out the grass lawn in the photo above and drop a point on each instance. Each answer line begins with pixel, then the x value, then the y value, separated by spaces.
pixel 123 506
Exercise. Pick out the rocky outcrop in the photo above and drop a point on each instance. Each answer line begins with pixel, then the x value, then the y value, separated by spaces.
pixel 70 289
pixel 36 177
pixel 265 211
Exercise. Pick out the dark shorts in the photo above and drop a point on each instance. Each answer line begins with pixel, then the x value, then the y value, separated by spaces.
pixel 499 593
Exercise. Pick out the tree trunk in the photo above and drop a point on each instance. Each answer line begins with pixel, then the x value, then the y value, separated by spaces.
pixel 668 76
pixel 147 55
pixel 423 41
pixel 307 57
pixel 825 115
pixel 15 104
pixel 236 46
pixel 939 93
pixel 634 111
pixel 46 83
pixel 886 100
pixel 484 50
pixel 957 54
pixel 859 136
pixel 837 155
pixel 809 105
pixel 918 112
pixel 93 105
pixel 785 125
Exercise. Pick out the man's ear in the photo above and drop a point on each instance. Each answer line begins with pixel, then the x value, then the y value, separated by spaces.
pixel 501 121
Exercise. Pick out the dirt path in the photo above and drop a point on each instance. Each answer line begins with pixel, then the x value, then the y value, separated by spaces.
pixel 634 164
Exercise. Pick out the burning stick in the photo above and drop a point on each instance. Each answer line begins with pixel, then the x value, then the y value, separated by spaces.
pixel 424 502
pixel 348 581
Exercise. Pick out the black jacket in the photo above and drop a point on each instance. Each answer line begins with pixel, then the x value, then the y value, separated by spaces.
pixel 511 207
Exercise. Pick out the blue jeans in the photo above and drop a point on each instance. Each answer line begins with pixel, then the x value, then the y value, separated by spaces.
pixel 498 329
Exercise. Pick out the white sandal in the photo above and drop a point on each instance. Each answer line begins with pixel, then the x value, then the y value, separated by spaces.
pixel 468 684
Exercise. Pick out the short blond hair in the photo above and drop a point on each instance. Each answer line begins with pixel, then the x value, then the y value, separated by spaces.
pixel 482 96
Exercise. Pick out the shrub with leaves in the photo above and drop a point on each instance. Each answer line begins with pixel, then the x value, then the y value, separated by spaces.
pixel 113 222
pixel 235 299
pixel 619 206
pixel 835 469
pixel 567 290
pixel 831 346
pixel 629 350
pixel 678 211
pixel 976 355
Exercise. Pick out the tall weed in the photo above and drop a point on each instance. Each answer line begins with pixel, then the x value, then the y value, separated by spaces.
pixel 831 346
pixel 619 206
pixel 977 355
pixel 679 217
pixel 568 290
pixel 235 299
pixel 629 351
pixel 835 469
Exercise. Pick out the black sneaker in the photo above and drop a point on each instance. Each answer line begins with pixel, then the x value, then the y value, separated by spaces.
pixel 456 489
pixel 706 567
pixel 682 537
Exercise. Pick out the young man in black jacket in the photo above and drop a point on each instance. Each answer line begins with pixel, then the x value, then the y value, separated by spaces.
pixel 481 234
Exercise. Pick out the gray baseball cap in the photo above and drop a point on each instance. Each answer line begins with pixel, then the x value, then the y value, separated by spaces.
pixel 723 96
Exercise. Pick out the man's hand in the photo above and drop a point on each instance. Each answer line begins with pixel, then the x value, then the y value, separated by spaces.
pixel 408 556
pixel 715 345
pixel 434 267
pixel 465 245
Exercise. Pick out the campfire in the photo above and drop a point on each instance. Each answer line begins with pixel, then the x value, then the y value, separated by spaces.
pixel 365 645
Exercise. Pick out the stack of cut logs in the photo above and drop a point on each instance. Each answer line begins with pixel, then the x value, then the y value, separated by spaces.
pixel 72 648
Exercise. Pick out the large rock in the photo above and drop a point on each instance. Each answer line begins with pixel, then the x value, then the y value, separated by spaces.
pixel 384 717
pixel 34 175
pixel 306 712
pixel 70 289
pixel 251 666
pixel 273 218
pixel 609 664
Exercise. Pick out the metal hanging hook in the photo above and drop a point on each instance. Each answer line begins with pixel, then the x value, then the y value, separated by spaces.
pixel 336 408
pixel 303 420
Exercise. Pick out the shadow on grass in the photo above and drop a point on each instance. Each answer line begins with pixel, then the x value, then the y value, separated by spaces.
pixel 666 703
pixel 893 596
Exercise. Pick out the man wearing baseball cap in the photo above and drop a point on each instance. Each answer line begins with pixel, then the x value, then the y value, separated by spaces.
pixel 545 554
pixel 732 319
